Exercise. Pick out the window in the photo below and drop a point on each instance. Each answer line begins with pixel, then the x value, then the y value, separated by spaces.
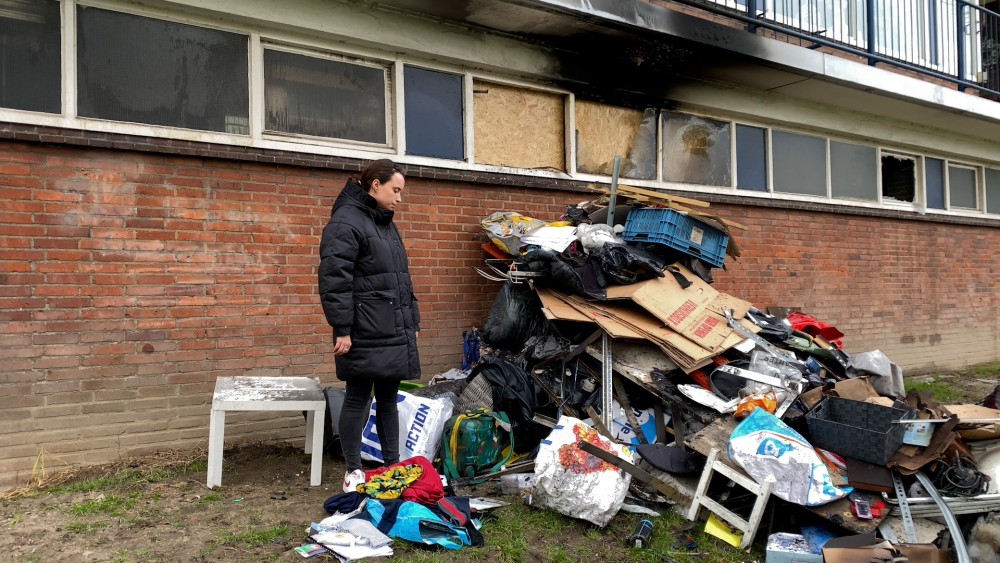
pixel 899 178
pixel 603 131
pixel 751 158
pixel 30 56
pixel 853 174
pixel 799 163
pixel 696 150
pixel 519 127
pixel 320 97
pixel 962 187
pixel 992 191
pixel 934 182
pixel 434 124
pixel 144 70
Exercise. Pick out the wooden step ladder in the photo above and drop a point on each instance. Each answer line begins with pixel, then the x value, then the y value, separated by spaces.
pixel 763 492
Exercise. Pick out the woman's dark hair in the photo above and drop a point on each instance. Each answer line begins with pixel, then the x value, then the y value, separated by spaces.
pixel 382 170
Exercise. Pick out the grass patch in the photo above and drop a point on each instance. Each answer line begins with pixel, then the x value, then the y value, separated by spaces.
pixel 942 390
pixel 523 534
pixel 210 497
pixel 111 504
pixel 126 478
pixel 14 520
pixel 254 538
pixel 87 526
pixel 986 369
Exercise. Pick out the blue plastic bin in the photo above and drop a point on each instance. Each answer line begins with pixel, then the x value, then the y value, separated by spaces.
pixel 678 231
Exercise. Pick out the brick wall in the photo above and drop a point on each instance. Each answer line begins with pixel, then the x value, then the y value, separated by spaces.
pixel 130 280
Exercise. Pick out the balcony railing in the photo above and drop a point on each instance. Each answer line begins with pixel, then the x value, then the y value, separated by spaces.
pixel 953 40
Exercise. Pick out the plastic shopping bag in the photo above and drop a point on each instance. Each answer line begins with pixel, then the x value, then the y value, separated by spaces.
pixel 421 421
pixel 766 447
pixel 575 483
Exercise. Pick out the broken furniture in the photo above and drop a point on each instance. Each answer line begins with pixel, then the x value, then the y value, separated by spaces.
pixel 701 499
pixel 270 394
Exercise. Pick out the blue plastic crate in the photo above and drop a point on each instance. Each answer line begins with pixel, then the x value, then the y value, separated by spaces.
pixel 678 231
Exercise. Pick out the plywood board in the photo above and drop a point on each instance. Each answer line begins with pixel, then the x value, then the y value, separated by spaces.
pixel 603 131
pixel 518 127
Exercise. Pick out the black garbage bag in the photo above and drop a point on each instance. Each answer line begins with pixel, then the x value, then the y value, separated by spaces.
pixel 623 264
pixel 574 274
pixel 516 316
pixel 518 395
pixel 771 328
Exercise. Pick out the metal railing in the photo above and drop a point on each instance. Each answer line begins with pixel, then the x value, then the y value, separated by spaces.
pixel 953 40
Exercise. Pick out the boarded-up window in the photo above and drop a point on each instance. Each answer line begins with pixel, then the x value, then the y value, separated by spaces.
pixel 696 150
pixel 30 56
pixel 146 70
pixel 603 131
pixel 518 127
pixel 324 98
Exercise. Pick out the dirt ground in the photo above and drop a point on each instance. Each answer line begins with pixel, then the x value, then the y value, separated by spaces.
pixel 133 512
pixel 148 510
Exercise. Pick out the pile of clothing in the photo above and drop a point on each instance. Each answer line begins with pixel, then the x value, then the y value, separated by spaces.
pixel 406 500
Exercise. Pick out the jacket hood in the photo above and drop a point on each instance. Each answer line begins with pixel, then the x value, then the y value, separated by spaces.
pixel 353 195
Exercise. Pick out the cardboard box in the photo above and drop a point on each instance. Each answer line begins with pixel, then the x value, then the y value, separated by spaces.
pixel 695 312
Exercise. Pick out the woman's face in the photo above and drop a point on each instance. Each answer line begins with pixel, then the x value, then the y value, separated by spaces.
pixel 389 194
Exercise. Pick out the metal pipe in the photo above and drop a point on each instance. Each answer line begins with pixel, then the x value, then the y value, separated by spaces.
pixel 960 40
pixel 614 192
pixel 956 531
pixel 870 32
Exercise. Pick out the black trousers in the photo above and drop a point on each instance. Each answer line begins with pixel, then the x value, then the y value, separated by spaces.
pixel 354 416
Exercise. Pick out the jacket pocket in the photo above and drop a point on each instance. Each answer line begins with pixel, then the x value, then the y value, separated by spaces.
pixel 375 316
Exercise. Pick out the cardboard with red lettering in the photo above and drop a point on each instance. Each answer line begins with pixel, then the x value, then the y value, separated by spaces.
pixel 695 312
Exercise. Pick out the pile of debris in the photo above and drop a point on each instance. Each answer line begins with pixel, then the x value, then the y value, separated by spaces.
pixel 610 375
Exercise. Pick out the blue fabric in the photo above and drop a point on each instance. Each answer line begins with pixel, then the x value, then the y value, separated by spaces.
pixel 470 349
pixel 415 522
pixel 344 503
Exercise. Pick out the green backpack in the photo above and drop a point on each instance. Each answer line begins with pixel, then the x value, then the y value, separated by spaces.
pixel 474 441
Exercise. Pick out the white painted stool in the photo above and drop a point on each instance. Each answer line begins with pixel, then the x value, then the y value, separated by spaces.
pixel 267 394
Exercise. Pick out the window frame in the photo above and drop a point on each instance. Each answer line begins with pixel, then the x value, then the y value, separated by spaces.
pixel 388 86
pixel 919 194
pixel 978 177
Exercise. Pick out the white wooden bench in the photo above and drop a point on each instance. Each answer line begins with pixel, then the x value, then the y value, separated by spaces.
pixel 267 394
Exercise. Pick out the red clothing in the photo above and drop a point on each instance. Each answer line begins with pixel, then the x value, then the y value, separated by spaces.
pixel 425 490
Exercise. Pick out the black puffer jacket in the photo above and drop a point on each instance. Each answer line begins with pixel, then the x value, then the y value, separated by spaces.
pixel 365 288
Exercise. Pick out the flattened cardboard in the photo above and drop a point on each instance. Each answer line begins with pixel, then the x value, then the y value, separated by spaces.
pixel 855 549
pixel 556 309
pixel 976 432
pixel 695 312
pixel 924 553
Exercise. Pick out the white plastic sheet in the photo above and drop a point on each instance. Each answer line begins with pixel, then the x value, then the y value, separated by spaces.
pixel 575 483
pixel 421 422
pixel 766 447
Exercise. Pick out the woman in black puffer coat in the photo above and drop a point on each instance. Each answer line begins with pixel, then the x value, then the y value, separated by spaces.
pixel 367 296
